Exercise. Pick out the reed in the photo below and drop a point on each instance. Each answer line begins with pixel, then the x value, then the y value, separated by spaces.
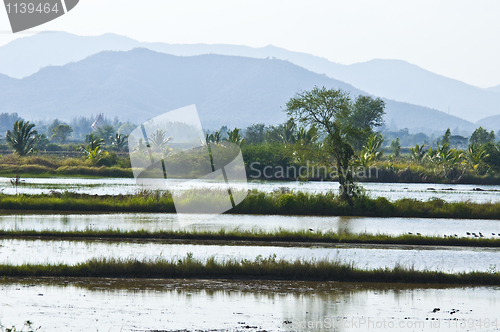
pixel 328 204
pixel 289 237
pixel 258 269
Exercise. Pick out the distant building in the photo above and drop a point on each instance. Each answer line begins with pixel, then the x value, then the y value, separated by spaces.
pixel 99 122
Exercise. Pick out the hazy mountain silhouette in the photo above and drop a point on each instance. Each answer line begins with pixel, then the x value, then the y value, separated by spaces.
pixel 490 123
pixel 228 90
pixel 402 81
pixel 393 79
pixel 25 56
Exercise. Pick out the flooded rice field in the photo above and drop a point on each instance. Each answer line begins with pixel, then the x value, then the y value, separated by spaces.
pixel 392 191
pixel 255 306
pixel 201 305
pixel 166 221
pixel 446 259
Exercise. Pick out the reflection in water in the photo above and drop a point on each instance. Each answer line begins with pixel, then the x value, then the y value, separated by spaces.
pixel 392 191
pixel 447 259
pixel 109 305
pixel 166 221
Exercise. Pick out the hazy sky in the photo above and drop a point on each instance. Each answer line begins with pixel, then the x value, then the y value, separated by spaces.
pixel 458 39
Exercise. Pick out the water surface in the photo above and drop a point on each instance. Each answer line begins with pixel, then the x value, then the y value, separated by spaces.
pixel 168 221
pixel 447 259
pixel 392 191
pixel 146 305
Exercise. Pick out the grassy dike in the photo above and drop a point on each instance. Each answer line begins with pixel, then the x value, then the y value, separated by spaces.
pixel 259 269
pixel 288 237
pixel 299 203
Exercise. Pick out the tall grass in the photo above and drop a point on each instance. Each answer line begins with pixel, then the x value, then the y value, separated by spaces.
pixel 74 171
pixel 61 166
pixel 289 237
pixel 67 201
pixel 116 166
pixel 260 268
pixel 327 204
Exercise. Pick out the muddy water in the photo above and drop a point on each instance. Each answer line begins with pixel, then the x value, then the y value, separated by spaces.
pixel 452 259
pixel 162 221
pixel 392 191
pixel 145 305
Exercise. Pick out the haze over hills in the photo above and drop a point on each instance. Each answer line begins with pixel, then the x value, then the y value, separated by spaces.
pixel 490 123
pixel 227 90
pixel 402 81
pixel 392 79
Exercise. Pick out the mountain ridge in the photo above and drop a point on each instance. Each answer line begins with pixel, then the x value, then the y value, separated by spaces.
pixel 380 77
pixel 228 90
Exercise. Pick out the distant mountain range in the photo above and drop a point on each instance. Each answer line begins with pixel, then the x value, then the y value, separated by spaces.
pixel 228 90
pixel 392 79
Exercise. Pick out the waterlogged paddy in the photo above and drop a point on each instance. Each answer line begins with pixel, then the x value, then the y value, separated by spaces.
pixel 167 221
pixel 392 191
pixel 454 259
pixel 146 305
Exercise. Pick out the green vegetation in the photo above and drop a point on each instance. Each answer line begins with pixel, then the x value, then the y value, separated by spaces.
pixel 344 124
pixel 328 136
pixel 280 203
pixel 260 268
pixel 288 237
pixel 109 165
pixel 119 141
pixel 22 138
pixel 94 148
pixel 61 133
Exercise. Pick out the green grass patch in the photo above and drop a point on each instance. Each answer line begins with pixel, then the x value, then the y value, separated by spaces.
pixel 50 166
pixel 67 201
pixel 67 171
pixel 327 204
pixel 285 236
pixel 259 269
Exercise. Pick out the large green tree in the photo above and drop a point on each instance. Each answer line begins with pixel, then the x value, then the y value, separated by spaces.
pixel 342 121
pixel 107 133
pixel 367 113
pixel 61 133
pixel 22 138
pixel 446 137
pixel 480 136
pixel 255 133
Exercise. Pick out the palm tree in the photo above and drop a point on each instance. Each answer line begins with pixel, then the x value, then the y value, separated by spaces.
pixel 476 155
pixel 307 136
pixel 445 155
pixel 374 144
pixel 418 153
pixel 160 142
pixel 288 134
pixel 234 136
pixel 22 138
pixel 214 138
pixel 159 139
pixel 371 150
pixel 120 141
pixel 306 143
pixel 94 149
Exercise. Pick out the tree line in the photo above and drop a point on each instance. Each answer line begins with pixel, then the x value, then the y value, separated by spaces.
pixel 325 127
